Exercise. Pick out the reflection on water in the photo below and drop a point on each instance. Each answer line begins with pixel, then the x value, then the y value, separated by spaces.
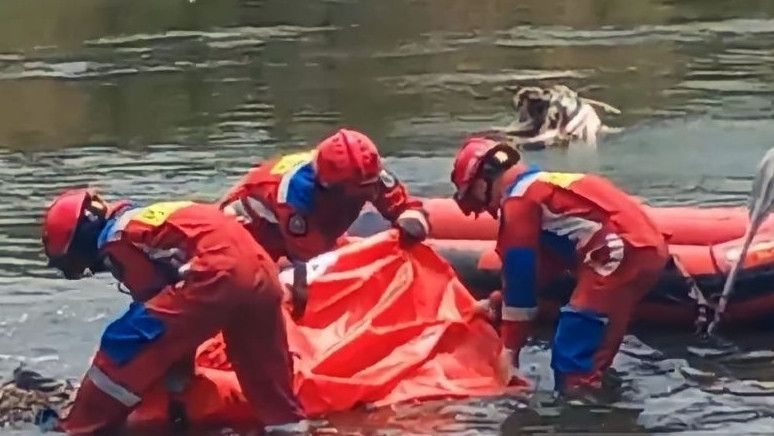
pixel 155 100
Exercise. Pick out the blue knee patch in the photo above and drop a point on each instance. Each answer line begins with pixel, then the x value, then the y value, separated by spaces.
pixel 125 337
pixel 578 337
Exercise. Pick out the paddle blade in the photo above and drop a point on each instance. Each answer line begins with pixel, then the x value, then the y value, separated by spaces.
pixel 759 206
pixel 761 199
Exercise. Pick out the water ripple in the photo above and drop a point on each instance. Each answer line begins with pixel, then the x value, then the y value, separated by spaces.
pixel 557 36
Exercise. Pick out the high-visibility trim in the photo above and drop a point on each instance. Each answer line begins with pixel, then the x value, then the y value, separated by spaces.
pixel 615 246
pixel 259 209
pixel 115 390
pixel 519 313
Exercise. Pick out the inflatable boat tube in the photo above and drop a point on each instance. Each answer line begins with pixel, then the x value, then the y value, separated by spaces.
pixel 681 225
pixel 703 242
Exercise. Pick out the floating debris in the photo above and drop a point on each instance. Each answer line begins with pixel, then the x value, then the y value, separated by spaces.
pixel 697 374
pixel 710 352
pixel 758 356
pixel 633 346
pixel 28 393
pixel 32 360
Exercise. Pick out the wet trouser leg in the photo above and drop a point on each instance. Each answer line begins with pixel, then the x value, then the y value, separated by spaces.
pixel 256 344
pixel 593 324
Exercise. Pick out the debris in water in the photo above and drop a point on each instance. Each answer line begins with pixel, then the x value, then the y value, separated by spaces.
pixel 97 317
pixel 33 360
pixel 697 374
pixel 749 357
pixel 708 352
pixel 28 393
pixel 747 388
pixel 633 346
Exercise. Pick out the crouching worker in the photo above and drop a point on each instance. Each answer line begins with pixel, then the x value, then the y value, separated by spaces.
pixel 299 205
pixel 604 238
pixel 192 272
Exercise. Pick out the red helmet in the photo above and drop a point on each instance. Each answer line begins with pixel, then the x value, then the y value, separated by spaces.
pixel 347 156
pixel 467 165
pixel 61 221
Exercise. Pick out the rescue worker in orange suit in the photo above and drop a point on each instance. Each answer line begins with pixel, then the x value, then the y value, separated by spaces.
pixel 300 205
pixel 192 272
pixel 599 233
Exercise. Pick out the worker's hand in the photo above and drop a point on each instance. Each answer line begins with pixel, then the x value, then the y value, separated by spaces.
pixel 490 308
pixel 413 226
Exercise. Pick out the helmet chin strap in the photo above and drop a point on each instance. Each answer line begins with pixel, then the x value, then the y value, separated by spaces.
pixel 488 197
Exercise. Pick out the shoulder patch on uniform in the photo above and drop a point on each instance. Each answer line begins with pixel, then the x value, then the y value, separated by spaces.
pixel 291 161
pixel 563 180
pixel 157 213
pixel 297 225
pixel 388 180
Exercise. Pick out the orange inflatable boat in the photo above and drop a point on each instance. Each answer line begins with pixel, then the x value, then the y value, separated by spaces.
pixel 382 325
pixel 703 243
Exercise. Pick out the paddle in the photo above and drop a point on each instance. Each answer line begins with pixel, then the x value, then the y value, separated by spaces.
pixel 760 204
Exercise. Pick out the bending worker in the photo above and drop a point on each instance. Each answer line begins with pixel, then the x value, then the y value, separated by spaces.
pixel 299 205
pixel 598 232
pixel 192 272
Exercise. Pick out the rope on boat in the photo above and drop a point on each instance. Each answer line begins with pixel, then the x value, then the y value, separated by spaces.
pixel 703 305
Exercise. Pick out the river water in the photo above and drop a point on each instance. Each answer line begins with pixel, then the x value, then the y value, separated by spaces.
pixel 161 99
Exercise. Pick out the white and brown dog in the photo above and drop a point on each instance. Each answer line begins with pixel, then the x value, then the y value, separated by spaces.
pixel 555 116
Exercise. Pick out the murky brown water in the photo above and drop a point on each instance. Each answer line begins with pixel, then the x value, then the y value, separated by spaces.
pixel 154 100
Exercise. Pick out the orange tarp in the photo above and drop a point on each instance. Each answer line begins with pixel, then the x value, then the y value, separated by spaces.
pixel 382 325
